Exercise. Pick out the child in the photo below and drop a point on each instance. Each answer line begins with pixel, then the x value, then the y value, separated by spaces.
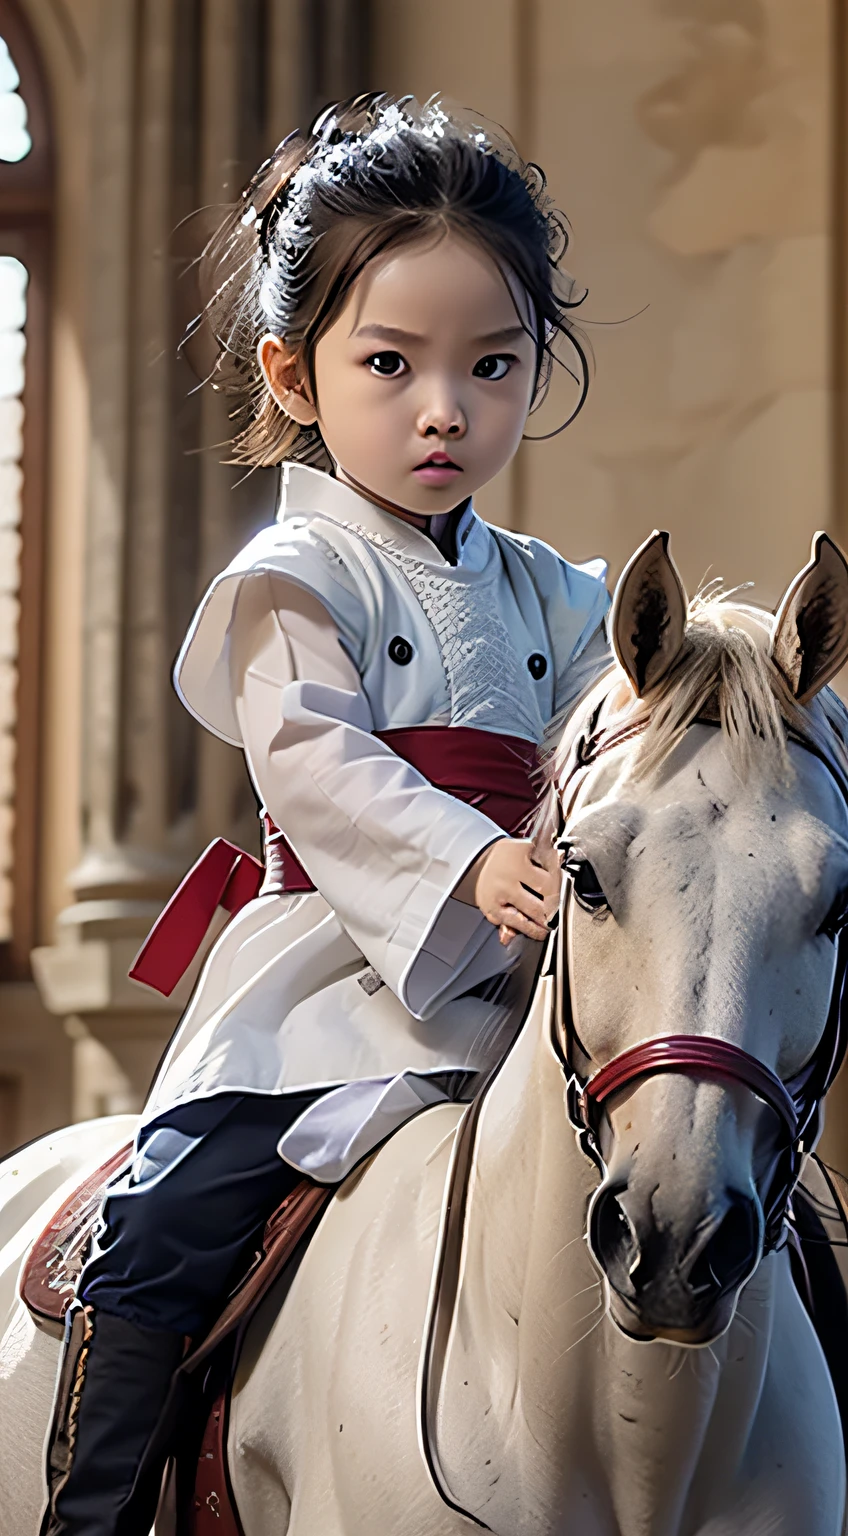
pixel 388 299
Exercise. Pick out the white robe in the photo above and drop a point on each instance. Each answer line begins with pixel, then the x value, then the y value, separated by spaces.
pixel 375 983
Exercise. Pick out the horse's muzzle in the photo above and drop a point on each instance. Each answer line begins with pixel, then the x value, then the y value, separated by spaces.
pixel 665 1283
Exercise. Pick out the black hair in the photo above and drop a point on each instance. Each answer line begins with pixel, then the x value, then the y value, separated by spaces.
pixel 372 174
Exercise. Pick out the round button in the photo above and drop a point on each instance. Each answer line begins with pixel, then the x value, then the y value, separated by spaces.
pixel 537 666
pixel 400 651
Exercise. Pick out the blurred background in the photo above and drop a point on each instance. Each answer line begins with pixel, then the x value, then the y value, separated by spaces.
pixel 698 148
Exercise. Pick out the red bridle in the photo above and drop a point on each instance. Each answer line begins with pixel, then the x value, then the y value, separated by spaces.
pixel 796 1102
pixel 704 1054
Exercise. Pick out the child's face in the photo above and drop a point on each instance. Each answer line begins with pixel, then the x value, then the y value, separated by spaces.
pixel 428 358
pixel 425 379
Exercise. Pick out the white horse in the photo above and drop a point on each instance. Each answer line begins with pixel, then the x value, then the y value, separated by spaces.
pixel 492 1328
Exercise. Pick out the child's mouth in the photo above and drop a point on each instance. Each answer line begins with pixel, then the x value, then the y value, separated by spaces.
pixel 437 469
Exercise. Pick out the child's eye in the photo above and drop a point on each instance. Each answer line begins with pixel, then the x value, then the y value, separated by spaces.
pixel 387 365
pixel 492 367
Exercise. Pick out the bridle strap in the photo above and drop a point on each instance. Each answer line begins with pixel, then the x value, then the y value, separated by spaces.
pixel 703 1054
pixel 592 744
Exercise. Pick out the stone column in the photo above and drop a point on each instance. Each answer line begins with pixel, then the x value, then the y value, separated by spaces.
pixel 312 52
pixel 127 866
pixel 220 769
pixel 187 101
pixel 288 107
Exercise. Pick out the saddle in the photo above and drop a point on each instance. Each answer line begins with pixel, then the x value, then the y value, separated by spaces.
pixel 198 1500
pixel 53 1268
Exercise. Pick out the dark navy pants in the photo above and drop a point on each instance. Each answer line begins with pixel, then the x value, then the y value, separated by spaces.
pixel 178 1227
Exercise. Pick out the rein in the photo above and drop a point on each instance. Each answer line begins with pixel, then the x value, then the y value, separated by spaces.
pixel 796 1103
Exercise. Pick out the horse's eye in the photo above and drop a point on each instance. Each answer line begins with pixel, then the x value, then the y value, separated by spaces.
pixel 588 892
pixel 836 918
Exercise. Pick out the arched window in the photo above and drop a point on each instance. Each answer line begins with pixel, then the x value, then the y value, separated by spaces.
pixel 25 215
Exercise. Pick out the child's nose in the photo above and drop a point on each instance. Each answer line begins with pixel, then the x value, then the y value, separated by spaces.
pixel 442 419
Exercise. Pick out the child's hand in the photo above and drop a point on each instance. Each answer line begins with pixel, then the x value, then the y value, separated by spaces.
pixel 513 888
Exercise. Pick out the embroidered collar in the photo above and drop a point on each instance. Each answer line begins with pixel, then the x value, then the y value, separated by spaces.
pixel 304 490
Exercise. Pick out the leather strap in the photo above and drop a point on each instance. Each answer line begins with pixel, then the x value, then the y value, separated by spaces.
pixel 213 1510
pixel 289 1223
pixel 702 1054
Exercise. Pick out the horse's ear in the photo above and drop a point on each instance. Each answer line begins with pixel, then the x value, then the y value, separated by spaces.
pixel 810 640
pixel 649 614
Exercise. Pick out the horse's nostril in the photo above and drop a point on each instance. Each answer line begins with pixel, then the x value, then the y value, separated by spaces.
pixel 612 1235
pixel 732 1249
pixel 655 1270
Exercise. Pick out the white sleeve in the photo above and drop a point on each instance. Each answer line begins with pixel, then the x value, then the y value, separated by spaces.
pixel 381 844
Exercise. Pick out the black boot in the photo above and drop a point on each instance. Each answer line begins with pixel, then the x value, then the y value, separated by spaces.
pixel 108 1442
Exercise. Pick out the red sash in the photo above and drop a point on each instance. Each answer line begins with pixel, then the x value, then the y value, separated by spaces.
pixel 496 774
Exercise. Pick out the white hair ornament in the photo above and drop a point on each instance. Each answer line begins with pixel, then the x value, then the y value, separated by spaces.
pixel 287 236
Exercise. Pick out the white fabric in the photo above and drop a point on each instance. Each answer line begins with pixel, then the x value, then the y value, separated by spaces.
pixel 379 577
pixel 370 979
pixel 337 1131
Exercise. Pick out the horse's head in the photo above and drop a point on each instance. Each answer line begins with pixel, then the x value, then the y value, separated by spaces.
pixel 707 885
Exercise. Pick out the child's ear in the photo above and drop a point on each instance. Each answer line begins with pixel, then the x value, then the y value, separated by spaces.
pixel 280 370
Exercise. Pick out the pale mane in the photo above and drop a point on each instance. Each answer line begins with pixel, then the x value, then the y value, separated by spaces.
pixel 723 671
